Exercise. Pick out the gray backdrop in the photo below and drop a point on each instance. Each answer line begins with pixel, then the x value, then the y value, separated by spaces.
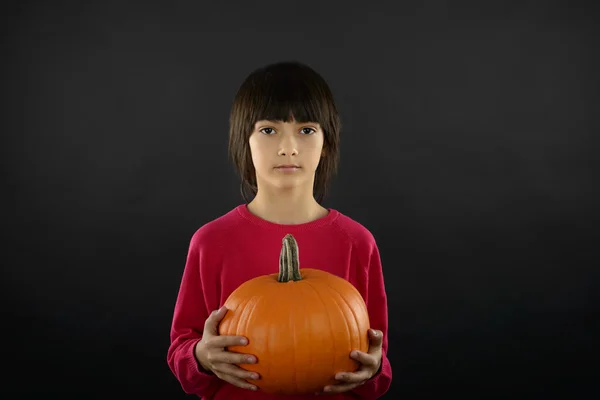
pixel 467 150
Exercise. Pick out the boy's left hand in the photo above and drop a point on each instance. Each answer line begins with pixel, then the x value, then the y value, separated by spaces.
pixel 370 363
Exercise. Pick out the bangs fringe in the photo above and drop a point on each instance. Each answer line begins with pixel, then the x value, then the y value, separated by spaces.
pixel 284 97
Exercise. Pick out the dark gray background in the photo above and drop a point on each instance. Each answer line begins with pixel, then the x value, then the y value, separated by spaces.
pixel 468 150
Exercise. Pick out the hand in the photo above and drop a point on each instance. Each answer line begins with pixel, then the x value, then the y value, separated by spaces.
pixel 370 364
pixel 212 356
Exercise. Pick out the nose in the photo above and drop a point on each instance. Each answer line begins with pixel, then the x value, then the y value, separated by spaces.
pixel 287 146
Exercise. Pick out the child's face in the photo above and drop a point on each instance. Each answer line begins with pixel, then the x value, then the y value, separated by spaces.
pixel 276 143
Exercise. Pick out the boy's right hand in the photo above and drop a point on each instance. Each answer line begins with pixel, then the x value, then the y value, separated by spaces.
pixel 212 356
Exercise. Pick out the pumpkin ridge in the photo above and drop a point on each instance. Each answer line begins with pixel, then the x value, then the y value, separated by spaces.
pixel 308 283
pixel 294 338
pixel 268 345
pixel 310 296
pixel 335 296
pixel 311 351
pixel 361 304
pixel 233 322
pixel 249 317
pixel 347 304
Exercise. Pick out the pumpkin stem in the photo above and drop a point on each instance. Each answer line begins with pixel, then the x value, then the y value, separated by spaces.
pixel 289 262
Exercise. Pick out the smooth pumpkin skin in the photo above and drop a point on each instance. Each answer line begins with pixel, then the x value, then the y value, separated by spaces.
pixel 302 332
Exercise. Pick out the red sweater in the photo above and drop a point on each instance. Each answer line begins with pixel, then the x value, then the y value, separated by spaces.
pixel 239 246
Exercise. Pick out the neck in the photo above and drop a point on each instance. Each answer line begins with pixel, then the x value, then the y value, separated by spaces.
pixel 287 207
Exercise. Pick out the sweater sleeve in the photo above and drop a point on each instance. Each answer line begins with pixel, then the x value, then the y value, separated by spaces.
pixel 376 301
pixel 186 330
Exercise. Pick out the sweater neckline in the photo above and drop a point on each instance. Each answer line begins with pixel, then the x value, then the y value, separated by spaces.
pixel 243 211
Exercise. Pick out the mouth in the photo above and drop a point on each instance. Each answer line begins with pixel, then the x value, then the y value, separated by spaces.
pixel 288 166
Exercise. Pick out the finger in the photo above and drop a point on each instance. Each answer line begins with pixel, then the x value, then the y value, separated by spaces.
pixel 226 341
pixel 236 371
pixel 229 357
pixel 353 377
pixel 236 381
pixel 375 338
pixel 364 358
pixel 212 322
pixel 344 387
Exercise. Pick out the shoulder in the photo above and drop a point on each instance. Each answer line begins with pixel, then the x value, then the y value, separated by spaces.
pixel 215 231
pixel 356 232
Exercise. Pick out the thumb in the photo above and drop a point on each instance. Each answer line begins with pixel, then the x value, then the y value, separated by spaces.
pixel 212 322
pixel 376 338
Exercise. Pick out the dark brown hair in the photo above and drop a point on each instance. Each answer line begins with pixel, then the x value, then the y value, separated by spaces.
pixel 281 92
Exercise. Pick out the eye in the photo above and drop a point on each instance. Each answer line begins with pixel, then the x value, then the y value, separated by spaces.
pixel 308 133
pixel 267 133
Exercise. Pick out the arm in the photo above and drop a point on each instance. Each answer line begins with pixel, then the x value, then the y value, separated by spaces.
pixel 186 330
pixel 376 300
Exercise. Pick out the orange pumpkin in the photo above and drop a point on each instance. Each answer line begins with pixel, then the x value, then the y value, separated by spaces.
pixel 301 325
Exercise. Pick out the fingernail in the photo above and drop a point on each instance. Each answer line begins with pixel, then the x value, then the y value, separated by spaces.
pixel 255 376
pixel 327 389
pixel 250 359
pixel 374 332
pixel 354 353
pixel 252 387
pixel 244 341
